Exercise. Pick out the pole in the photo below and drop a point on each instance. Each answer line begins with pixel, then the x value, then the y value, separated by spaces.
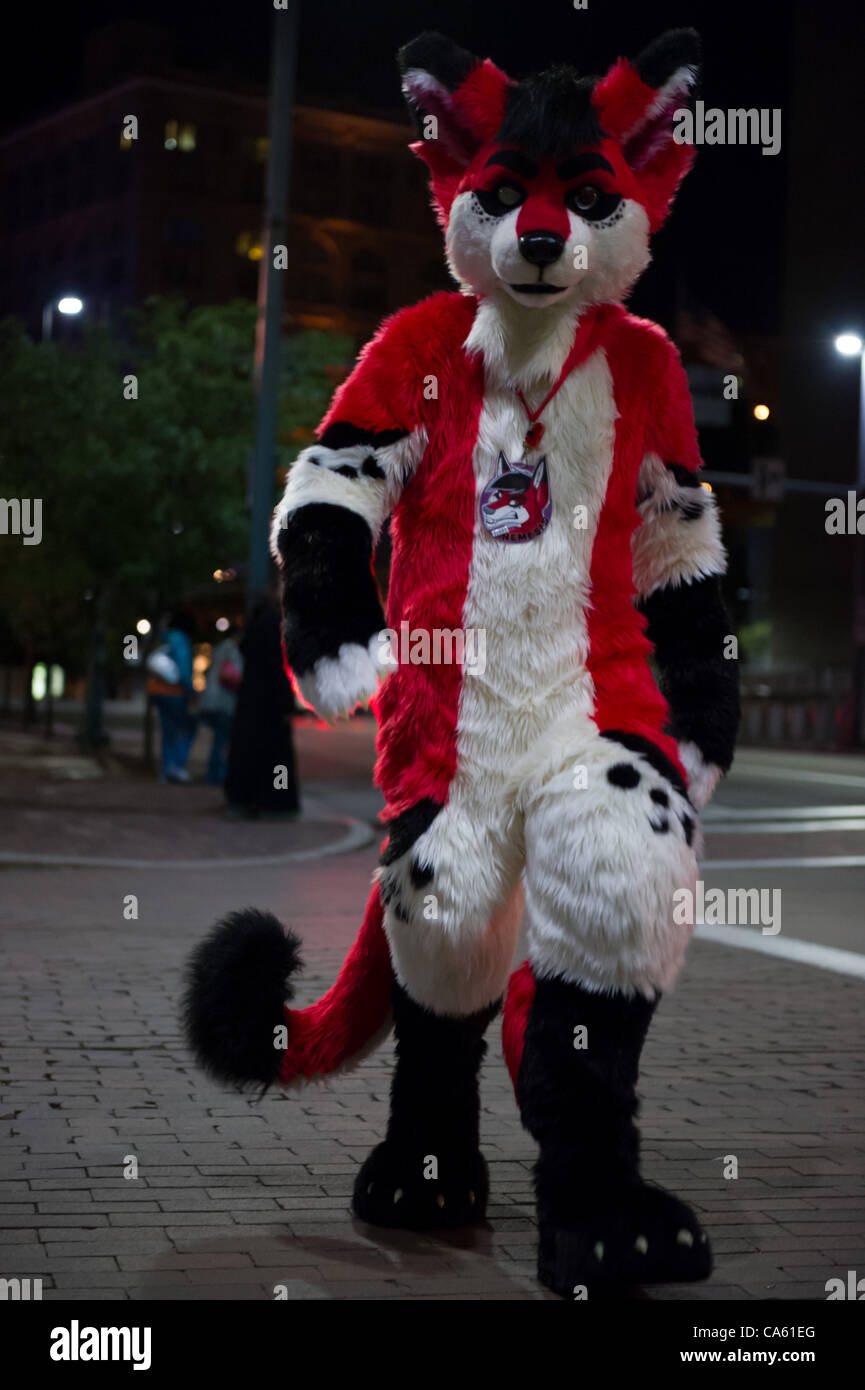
pixel 858 691
pixel 271 292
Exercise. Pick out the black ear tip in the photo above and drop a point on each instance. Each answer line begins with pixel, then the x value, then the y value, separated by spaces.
pixel 677 48
pixel 438 55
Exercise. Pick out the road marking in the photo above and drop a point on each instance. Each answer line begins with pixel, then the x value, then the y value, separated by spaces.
pixel 357 836
pixel 768 827
pixel 828 861
pixel 790 774
pixel 739 813
pixel 787 948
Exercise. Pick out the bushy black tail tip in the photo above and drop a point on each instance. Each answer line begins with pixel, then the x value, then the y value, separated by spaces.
pixel 237 980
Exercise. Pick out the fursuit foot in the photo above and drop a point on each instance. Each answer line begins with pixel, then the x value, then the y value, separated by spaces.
pixel 641 1235
pixel 392 1189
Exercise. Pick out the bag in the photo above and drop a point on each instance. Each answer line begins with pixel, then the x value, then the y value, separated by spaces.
pixel 230 676
pixel 161 664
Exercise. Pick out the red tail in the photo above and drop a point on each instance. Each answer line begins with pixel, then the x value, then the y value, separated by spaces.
pixel 340 1026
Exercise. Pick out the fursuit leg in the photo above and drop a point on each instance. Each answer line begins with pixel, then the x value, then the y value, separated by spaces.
pixel 603 861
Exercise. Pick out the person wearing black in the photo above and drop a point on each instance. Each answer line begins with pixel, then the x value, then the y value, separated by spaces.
pixel 261 778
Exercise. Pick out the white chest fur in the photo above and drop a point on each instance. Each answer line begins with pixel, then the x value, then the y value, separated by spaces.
pixel 531 599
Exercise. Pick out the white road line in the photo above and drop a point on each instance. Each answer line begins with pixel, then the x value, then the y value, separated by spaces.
pixel 787 948
pixel 829 861
pixel 739 813
pixel 768 827
pixel 790 774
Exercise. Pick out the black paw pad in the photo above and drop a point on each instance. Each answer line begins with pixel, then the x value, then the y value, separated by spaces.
pixel 391 1189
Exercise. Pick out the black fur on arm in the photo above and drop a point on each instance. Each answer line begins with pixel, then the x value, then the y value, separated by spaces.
pixel 688 625
pixel 329 594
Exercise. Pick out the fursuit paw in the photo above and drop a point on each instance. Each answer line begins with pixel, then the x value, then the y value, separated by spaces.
pixel 338 684
pixel 391 1189
pixel 703 777
pixel 642 1235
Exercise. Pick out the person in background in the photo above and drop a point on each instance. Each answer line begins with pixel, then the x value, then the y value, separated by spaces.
pixel 172 698
pixel 217 704
pixel 261 779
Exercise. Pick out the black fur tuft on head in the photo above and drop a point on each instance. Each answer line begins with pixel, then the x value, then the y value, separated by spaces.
pixel 551 114
pixel 678 48
pixel 237 981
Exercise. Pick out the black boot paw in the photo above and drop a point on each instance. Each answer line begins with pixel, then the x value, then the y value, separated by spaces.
pixel 642 1235
pixel 391 1189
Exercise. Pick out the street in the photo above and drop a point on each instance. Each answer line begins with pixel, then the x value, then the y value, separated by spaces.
pixel 124 1174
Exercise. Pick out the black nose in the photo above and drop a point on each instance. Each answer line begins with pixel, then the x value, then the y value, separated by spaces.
pixel 541 248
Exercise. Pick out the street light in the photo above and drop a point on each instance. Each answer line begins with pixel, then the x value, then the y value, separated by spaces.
pixel 67 304
pixel 851 345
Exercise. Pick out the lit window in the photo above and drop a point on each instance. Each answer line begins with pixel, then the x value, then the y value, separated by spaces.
pixel 186 138
pixel 171 135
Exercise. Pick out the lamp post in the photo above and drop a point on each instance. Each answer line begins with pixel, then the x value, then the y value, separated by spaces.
pixel 67 304
pixel 851 345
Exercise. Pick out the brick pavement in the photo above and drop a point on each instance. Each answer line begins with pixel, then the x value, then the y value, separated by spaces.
pixel 751 1057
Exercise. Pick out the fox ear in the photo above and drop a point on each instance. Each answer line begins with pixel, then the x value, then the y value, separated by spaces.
pixel 458 103
pixel 636 104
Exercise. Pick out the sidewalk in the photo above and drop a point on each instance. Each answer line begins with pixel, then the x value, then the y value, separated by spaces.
pixel 751 1058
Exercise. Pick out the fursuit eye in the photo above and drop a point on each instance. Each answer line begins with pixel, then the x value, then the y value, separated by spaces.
pixel 509 195
pixel 583 199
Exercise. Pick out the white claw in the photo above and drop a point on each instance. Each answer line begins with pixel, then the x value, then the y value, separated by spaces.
pixel 397 1196
pixel 599 1251
pixel 641 1244
pixel 685 1238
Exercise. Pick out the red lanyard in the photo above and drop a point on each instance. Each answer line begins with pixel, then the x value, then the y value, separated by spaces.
pixel 578 353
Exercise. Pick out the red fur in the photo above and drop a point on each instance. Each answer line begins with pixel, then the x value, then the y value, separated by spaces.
pixel 621 98
pixel 432 536
pixel 626 695
pixel 480 101
pixel 515 1016
pixel 329 1033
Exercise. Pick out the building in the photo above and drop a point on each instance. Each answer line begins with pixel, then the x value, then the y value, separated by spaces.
pixel 153 184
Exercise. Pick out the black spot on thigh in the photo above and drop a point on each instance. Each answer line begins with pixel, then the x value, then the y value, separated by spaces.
pixel 662 826
pixel 623 775
pixel 371 469
pixel 420 874
pixel 407 827
pixel 345 471
pixel 688 827
pixel 317 462
pixel 660 798
pixel 399 911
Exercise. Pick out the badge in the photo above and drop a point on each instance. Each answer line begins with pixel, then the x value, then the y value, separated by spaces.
pixel 516 504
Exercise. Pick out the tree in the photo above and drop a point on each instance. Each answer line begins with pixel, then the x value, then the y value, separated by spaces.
pixel 137 443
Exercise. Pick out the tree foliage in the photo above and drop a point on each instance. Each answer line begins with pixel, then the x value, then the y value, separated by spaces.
pixel 143 484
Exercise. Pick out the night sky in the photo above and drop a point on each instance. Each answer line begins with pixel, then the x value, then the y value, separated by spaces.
pixel 346 61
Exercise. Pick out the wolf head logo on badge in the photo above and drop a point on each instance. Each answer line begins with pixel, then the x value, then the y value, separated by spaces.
pixel 516 504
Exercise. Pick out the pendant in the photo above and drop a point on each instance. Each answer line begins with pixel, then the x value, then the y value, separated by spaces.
pixel 516 504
